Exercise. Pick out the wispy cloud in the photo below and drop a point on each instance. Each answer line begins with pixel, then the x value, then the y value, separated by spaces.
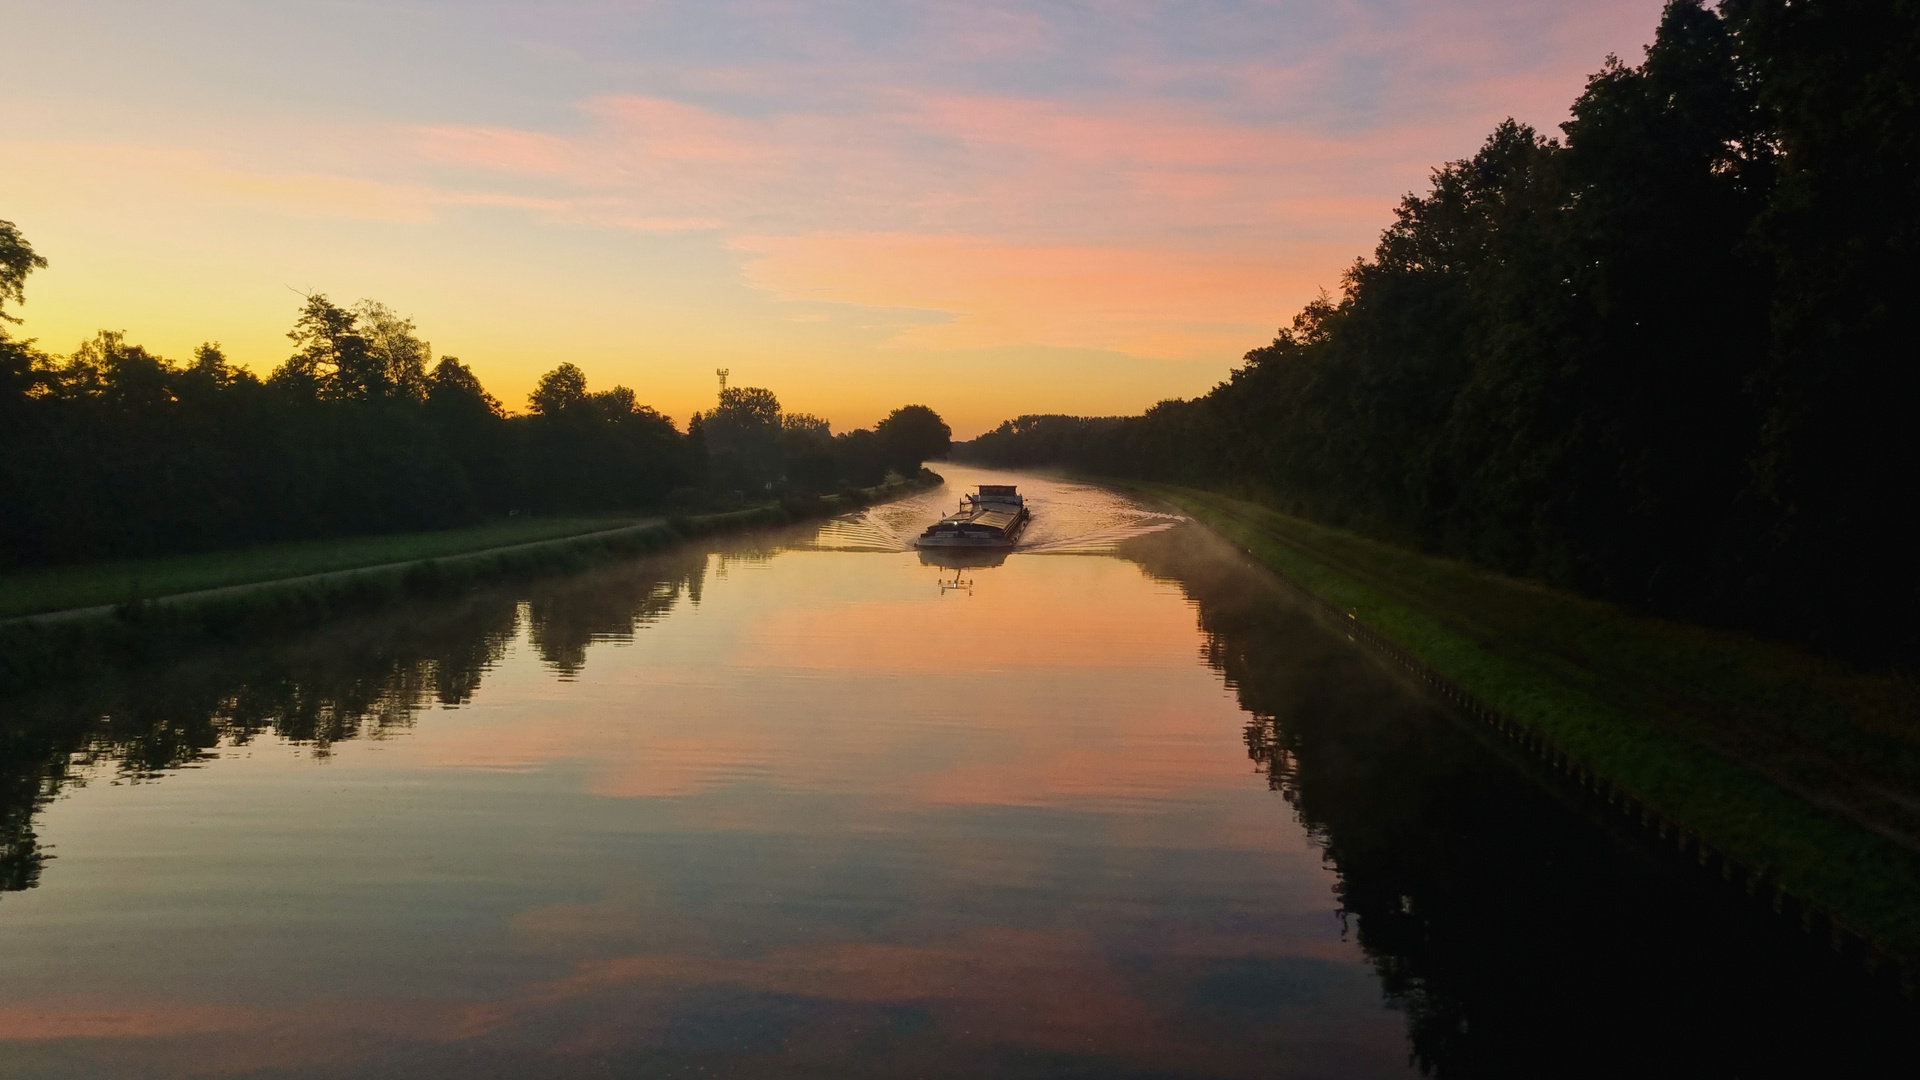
pixel 1164 179
pixel 1145 301
pixel 1153 229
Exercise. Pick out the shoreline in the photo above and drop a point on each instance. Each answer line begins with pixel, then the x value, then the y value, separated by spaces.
pixel 1814 843
pixel 51 645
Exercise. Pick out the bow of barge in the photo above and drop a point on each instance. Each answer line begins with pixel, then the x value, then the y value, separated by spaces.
pixel 992 517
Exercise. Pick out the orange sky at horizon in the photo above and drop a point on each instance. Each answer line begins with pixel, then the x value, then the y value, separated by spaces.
pixel 993 207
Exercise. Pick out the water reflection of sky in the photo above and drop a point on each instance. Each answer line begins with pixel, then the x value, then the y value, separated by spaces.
pixel 827 819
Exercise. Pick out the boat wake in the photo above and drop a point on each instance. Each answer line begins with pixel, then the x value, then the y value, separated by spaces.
pixel 1069 518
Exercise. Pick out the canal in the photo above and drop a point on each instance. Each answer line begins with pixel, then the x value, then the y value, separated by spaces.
pixel 806 804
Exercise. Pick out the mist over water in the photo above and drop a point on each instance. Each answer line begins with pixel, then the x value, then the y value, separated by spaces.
pixel 795 805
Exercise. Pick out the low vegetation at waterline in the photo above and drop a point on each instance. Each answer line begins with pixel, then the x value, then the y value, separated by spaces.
pixel 66 586
pixel 248 594
pixel 1659 361
pixel 1656 366
pixel 1802 768
pixel 114 452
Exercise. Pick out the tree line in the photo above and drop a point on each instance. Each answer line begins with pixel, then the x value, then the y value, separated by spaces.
pixel 114 451
pixel 1660 359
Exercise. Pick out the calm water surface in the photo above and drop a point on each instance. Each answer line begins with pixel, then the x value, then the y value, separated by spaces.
pixel 808 805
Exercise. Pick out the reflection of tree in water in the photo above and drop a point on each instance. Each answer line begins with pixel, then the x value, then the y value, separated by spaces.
pixel 357 679
pixel 1520 936
pixel 567 615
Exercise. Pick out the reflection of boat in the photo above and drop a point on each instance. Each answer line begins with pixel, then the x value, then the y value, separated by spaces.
pixel 991 518
pixel 949 558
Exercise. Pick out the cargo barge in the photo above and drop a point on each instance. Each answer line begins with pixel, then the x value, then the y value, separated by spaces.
pixel 993 517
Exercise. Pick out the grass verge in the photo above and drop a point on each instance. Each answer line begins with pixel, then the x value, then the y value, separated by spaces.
pixel 59 588
pixel 70 643
pixel 1798 766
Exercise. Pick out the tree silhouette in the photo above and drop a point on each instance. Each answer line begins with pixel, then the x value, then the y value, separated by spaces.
pixel 17 260
pixel 1657 360
pixel 910 435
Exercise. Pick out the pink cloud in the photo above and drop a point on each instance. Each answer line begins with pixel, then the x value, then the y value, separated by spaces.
pixel 1137 133
pixel 1144 227
pixel 1146 301
pixel 674 131
pixel 998 162
pixel 979 30
pixel 505 149
pixel 1131 176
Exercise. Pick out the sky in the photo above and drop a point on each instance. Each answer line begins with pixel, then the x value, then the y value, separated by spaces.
pixel 992 207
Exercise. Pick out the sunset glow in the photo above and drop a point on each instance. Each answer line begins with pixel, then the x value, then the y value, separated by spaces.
pixel 853 205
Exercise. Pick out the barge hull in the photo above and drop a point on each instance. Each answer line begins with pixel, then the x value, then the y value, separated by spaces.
pixel 994 518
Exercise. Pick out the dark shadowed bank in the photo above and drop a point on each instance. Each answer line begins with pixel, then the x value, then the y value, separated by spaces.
pixel 1792 777
pixel 1504 914
pixel 60 645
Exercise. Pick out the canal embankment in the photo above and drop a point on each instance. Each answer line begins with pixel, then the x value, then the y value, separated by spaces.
pixel 1793 776
pixel 73 589
pixel 60 623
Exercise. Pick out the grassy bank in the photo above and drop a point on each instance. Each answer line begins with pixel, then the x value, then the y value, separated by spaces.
pixel 59 588
pixel 143 626
pixel 1798 766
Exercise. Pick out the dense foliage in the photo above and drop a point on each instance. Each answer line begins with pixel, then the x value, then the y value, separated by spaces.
pixel 113 451
pixel 1660 360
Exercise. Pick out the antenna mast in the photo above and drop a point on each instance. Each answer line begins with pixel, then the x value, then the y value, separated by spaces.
pixel 722 372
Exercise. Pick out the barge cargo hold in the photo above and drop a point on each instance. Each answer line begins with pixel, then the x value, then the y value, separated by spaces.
pixel 993 517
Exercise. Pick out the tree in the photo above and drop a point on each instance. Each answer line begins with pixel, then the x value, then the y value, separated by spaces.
pixel 618 403
pixel 23 369
pixel 743 436
pixel 1661 361
pixel 806 442
pixel 861 461
pixel 396 357
pixel 746 408
pixel 1840 453
pixel 115 451
pixel 17 260
pixel 454 385
pixel 127 376
pixel 911 435
pixel 330 358
pixel 805 426
pixel 211 368
pixel 558 391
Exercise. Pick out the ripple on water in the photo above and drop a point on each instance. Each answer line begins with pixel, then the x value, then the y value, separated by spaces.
pixel 1069 517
